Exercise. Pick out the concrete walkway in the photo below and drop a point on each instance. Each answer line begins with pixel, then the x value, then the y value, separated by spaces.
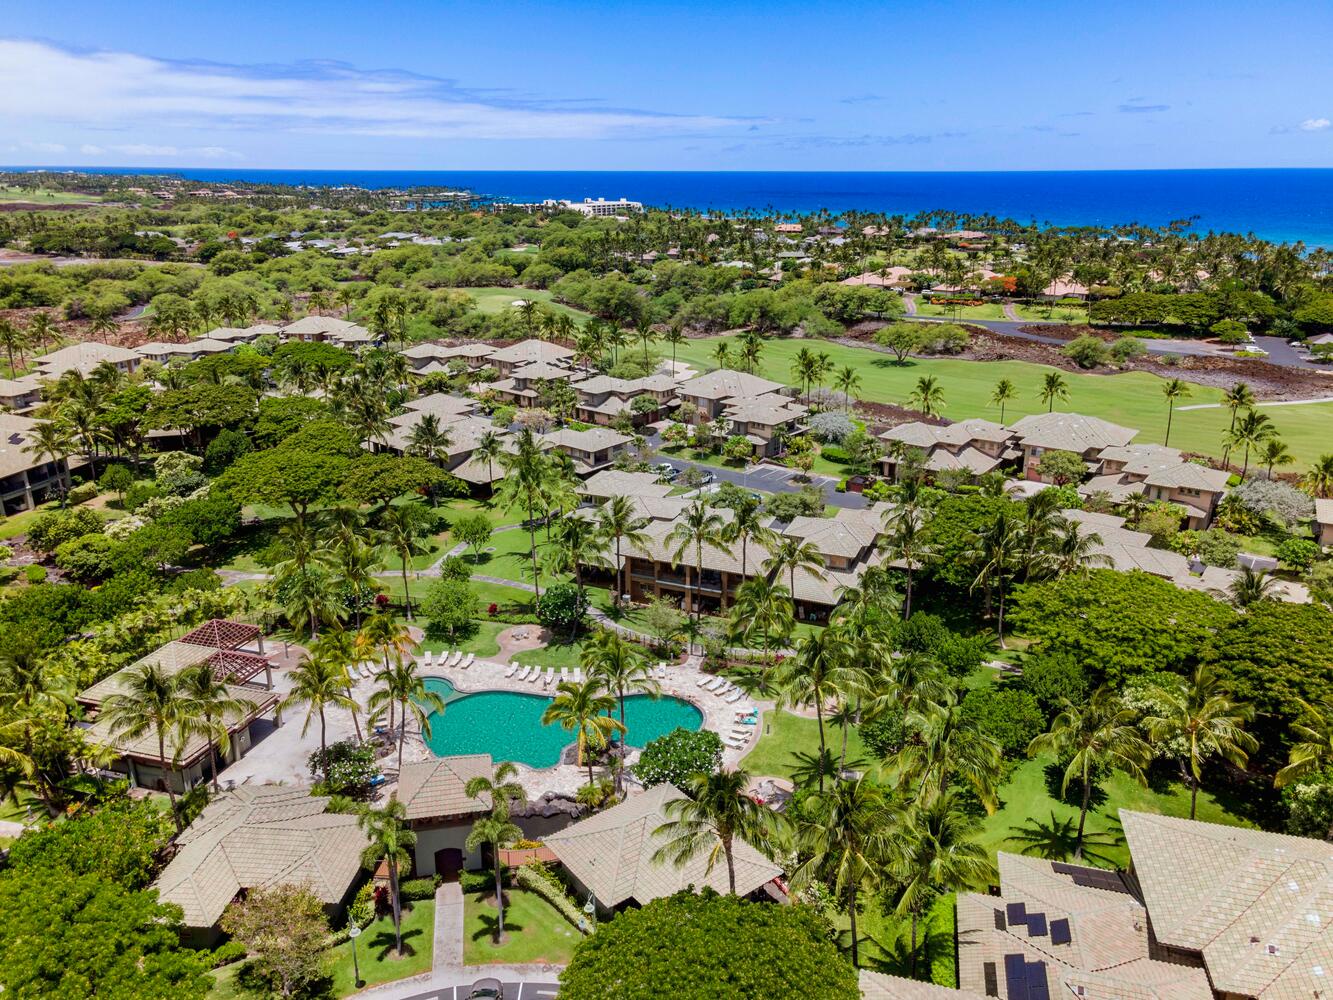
pixel 448 954
pixel 1271 402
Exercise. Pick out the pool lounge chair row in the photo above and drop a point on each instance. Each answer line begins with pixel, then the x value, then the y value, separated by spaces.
pixel 455 659
pixel 532 674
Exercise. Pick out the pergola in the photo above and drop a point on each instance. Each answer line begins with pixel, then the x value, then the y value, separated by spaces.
pixel 219 633
pixel 236 666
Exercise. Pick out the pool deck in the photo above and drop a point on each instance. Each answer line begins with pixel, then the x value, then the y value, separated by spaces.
pixel 681 681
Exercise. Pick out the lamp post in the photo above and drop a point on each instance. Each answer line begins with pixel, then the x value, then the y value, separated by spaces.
pixel 353 933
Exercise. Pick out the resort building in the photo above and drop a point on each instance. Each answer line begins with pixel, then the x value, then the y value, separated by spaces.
pixel 1160 473
pixel 19 395
pixel 766 421
pixel 602 486
pixel 602 398
pixel 182 353
pixel 441 813
pixel 530 352
pixel 590 450
pixel 1086 437
pixel 711 393
pixel 258 837
pixel 601 208
pixel 235 651
pixel 1323 521
pixel 429 358
pixel 328 329
pixel 974 446
pixel 84 357
pixel 27 477
pixel 610 857
pixel 525 384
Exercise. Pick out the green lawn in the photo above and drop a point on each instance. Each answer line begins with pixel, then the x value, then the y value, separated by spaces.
pixel 534 931
pixel 482 641
pixel 990 310
pixel 886 941
pixel 497 300
pixel 374 950
pixel 44 196
pixel 1133 399
pixel 557 654
pixel 784 733
pixel 1060 313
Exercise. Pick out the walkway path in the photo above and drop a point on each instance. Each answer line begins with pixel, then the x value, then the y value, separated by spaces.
pixel 909 305
pixel 1274 402
pixel 448 927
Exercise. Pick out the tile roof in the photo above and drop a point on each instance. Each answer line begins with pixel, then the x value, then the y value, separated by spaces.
pixel 1257 905
pixel 726 383
pixel 877 986
pixel 1189 475
pixel 530 351
pixel 307 325
pixel 616 482
pixel 1070 432
pixel 834 536
pixel 433 789
pixel 258 837
pixel 592 439
pixel 84 357
pixel 611 853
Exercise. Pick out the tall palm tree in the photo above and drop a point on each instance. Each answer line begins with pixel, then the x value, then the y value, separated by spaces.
pixel 1311 745
pixel 1205 717
pixel 675 336
pixel 847 381
pixel 1173 389
pixel 764 606
pixel 906 541
pixel 815 674
pixel 997 552
pixel 716 811
pixel 698 526
pixel 149 702
pixel 1251 429
pixel 747 522
pixel 1053 387
pixel 52 440
pixel 939 853
pixel 618 524
pixel 1097 733
pixel 927 397
pixel 1319 480
pixel 499 831
pixel 584 709
pixel 577 543
pixel 645 333
pixel 803 369
pixel 846 839
pixel 527 476
pixel 403 687
pixel 41 330
pixel 501 787
pixel 429 440
pixel 390 839
pixel 945 747
pixel 1238 397
pixel 319 683
pixel 208 704
pixel 789 555
pixel 403 529
pixel 1274 452
pixel 489 448
pixel 12 338
pixel 1004 391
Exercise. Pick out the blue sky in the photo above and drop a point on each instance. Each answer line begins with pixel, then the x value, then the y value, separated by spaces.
pixel 925 85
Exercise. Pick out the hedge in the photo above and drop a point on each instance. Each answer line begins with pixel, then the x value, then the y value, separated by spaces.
pixel 540 885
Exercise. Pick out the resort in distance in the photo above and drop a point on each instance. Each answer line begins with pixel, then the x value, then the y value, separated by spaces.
pixel 499 504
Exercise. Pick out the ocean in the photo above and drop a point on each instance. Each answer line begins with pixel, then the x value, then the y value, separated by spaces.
pixel 1286 205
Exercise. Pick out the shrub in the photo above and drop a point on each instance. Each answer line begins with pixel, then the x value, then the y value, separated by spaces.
pixel 455 568
pixel 34 573
pixel 1310 807
pixel 82 493
pixel 1051 677
pixel 672 758
pixel 1276 498
pixel 503 416
pixel 53 528
pixel 87 559
pixel 1214 547
pixel 417 888
pixel 1228 331
pixel 351 766
pixel 884 737
pixel 1298 553
pixel 540 882
pixel 1009 716
pixel 478 882
pixel 562 604
pixel 1127 349
pixel 1087 352
pixel 942 338
pixel 228 952
pixel 737 448
pixel 450 605
pixel 831 427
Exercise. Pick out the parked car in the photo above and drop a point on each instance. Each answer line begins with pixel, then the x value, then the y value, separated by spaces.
pixel 666 470
pixel 486 989
pixel 706 478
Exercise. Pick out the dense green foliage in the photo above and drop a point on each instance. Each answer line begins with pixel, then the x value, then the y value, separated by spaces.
pixel 677 755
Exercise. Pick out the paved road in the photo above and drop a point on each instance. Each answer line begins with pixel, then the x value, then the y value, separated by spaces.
pixel 461 987
pixel 772 479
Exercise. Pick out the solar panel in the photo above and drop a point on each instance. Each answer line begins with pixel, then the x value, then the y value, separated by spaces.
pixel 1036 979
pixel 999 920
pixel 1036 925
pixel 1017 913
pixel 1015 977
pixel 1091 878
pixel 992 979
pixel 1060 932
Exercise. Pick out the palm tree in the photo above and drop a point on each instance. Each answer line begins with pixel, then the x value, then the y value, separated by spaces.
pixel 429 440
pixel 583 709
pixel 747 523
pixel 675 336
pixel 927 397
pixel 803 369
pixel 53 441
pixel 1099 732
pixel 1312 745
pixel 41 329
pixel 390 838
pixel 1173 389
pixel 939 853
pixel 845 839
pixel 1319 480
pixel 716 811
pixel 12 338
pixel 997 553
pixel 789 555
pixel 404 687
pixel 149 701
pixel 1237 398
pixel 489 448
pixel 763 605
pixel 617 522
pixel 817 671
pixel 527 475
pixel 1004 391
pixel 945 746
pixel 698 526
pixel 208 703
pixel 1073 550
pixel 319 683
pixel 1252 586
pixel 1053 387
pixel 1203 715
pixel 906 541
pixel 577 543
pixel 499 831
pixel 500 788
pixel 1251 430
pixel 847 381
pixel 1274 452
pixel 403 529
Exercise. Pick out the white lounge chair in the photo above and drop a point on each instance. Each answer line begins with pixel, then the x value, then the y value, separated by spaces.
pixel 564 674
pixel 510 672
pixel 704 679
pixel 741 734
pixel 735 696
pixel 735 744
pixel 536 674
pixel 578 675
pixel 726 686
pixel 713 683
pixel 469 660
pixel 455 658
pixel 661 671
pixel 522 673
pixel 427 658
pixel 550 673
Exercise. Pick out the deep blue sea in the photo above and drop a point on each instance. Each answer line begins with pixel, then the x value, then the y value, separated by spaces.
pixel 1279 205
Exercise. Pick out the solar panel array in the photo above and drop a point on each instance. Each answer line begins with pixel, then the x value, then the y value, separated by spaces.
pixel 1024 980
pixel 1092 878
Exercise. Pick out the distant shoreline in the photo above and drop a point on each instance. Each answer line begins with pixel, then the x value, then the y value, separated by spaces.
pixel 1276 204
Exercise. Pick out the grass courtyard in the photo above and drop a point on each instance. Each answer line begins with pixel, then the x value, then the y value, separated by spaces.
pixel 534 930
pixel 496 300
pixel 1133 399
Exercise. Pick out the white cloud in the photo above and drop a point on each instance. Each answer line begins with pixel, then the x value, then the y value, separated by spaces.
pixel 88 149
pixel 1315 124
pixel 30 146
pixel 119 90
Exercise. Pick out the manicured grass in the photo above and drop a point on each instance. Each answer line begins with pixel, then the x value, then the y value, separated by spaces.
pixel 497 300
pixel 785 733
pixel 374 949
pixel 44 196
pixel 534 931
pixel 1132 399
pixel 557 654
pixel 482 641
pixel 991 310
pixel 1059 313
pixel 886 941
pixel 18 524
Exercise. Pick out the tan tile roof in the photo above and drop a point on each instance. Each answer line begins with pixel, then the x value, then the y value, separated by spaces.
pixel 726 383
pixel 968 460
pixel 83 357
pixel 611 854
pixel 308 325
pixel 877 986
pixel 616 482
pixel 1258 906
pixel 1070 432
pixel 442 404
pixel 1323 511
pixel 258 837
pixel 531 351
pixel 1108 951
pixel 592 439
pixel 834 536
pixel 1189 475
pixel 434 788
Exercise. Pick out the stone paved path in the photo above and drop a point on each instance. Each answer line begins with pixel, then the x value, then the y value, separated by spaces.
pixel 448 927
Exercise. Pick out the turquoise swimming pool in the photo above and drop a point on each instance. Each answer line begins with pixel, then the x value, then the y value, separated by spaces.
pixel 507 724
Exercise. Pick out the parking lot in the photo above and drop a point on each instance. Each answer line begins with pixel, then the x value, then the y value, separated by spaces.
pixel 771 479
